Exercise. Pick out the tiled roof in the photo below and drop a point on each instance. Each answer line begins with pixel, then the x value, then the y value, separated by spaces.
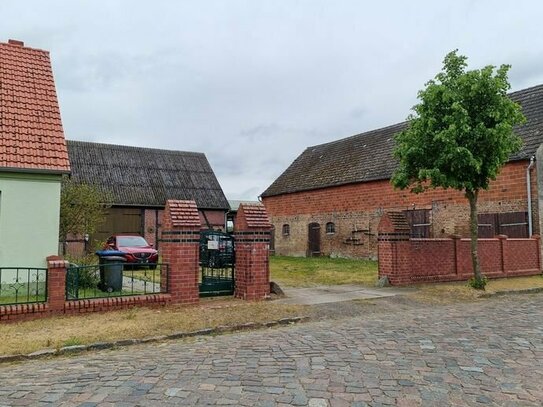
pixel 31 135
pixel 139 176
pixel 368 156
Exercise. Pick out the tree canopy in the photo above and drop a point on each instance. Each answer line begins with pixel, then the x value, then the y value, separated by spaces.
pixel 461 133
pixel 82 208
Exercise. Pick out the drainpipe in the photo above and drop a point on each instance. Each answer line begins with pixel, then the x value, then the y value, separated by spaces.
pixel 529 193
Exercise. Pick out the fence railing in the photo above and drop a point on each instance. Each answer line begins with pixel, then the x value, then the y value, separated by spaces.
pixel 115 280
pixel 20 285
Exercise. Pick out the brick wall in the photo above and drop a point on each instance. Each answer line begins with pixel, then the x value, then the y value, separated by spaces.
pixel 356 209
pixel 408 261
pixel 180 251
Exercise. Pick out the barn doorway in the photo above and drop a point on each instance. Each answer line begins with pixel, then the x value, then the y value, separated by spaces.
pixel 314 240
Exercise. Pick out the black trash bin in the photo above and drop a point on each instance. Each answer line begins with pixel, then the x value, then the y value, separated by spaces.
pixel 111 270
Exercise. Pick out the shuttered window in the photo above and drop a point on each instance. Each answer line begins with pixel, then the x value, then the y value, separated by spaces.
pixel 419 222
pixel 512 224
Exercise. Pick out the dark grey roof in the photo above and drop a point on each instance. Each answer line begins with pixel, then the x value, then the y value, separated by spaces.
pixel 368 156
pixel 146 176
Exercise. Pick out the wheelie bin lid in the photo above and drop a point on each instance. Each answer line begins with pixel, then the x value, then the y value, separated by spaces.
pixel 109 253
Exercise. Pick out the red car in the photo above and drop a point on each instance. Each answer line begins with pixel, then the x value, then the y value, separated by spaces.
pixel 135 248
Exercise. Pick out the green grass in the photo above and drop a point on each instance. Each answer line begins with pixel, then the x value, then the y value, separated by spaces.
pixel 27 293
pixel 306 272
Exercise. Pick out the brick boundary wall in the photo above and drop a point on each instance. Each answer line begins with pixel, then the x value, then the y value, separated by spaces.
pixel 409 261
pixel 180 250
pixel 57 304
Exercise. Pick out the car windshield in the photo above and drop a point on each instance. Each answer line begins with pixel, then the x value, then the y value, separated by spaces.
pixel 131 241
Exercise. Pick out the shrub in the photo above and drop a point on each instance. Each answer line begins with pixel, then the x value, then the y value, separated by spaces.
pixel 478 283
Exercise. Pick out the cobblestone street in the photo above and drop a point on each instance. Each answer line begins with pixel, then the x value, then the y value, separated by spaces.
pixel 483 353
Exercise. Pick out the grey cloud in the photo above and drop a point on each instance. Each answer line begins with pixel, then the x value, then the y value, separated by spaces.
pixel 252 84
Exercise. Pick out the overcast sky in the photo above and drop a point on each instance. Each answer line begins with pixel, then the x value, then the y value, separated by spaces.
pixel 252 83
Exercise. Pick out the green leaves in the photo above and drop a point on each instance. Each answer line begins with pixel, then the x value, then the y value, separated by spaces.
pixel 82 208
pixel 462 131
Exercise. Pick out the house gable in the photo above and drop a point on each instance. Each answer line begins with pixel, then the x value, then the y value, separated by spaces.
pixel 32 139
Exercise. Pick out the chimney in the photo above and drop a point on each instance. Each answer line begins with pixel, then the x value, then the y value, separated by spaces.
pixel 16 42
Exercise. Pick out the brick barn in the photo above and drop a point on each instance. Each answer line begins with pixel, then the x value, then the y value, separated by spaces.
pixel 138 182
pixel 330 199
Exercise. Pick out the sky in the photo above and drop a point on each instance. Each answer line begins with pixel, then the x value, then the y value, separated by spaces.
pixel 253 83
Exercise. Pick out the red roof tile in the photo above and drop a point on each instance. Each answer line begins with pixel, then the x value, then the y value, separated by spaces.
pixel 183 213
pixel 255 215
pixel 31 135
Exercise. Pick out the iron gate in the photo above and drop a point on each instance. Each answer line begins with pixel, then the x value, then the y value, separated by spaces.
pixel 217 259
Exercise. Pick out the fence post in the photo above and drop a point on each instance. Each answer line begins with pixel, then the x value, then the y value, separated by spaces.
pixel 503 260
pixel 56 283
pixel 179 246
pixel 393 248
pixel 252 232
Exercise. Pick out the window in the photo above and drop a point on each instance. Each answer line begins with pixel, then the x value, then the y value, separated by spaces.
pixel 511 224
pixel 330 228
pixel 286 230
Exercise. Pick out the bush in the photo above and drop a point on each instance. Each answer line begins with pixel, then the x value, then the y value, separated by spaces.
pixel 87 276
pixel 478 284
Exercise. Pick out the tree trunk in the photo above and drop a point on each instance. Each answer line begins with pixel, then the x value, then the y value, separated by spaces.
pixel 474 232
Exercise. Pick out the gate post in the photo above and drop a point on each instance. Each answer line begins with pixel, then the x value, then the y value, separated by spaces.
pixel 393 248
pixel 56 283
pixel 179 248
pixel 252 232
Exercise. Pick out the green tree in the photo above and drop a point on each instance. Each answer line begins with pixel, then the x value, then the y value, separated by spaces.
pixel 459 137
pixel 82 208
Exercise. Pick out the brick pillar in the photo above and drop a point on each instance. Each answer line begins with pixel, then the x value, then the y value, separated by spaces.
pixel 179 248
pixel 56 283
pixel 537 239
pixel 393 248
pixel 252 232
pixel 503 260
pixel 456 246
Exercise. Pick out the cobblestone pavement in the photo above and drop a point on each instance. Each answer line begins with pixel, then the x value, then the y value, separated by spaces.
pixel 482 353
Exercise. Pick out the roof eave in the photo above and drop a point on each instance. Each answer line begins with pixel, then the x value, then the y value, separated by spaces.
pixel 523 157
pixel 35 170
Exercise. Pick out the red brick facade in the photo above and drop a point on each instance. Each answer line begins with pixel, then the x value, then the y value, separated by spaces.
pixel 408 261
pixel 355 209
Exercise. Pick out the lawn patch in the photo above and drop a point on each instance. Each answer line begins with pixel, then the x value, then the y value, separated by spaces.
pixel 312 271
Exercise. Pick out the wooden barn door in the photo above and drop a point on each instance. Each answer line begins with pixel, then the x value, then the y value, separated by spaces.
pixel 120 220
pixel 314 240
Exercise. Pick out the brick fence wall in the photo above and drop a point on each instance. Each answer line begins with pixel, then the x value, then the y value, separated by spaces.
pixel 409 261
pixel 180 250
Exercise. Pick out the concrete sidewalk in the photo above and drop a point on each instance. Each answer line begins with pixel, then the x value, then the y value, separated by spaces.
pixel 335 293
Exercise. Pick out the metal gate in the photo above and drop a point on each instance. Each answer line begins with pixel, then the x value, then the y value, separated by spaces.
pixel 217 260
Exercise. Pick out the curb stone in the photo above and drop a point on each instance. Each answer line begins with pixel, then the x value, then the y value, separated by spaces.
pixel 71 350
pixel 507 292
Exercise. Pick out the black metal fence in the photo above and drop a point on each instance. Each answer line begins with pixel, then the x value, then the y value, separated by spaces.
pixel 115 280
pixel 19 285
